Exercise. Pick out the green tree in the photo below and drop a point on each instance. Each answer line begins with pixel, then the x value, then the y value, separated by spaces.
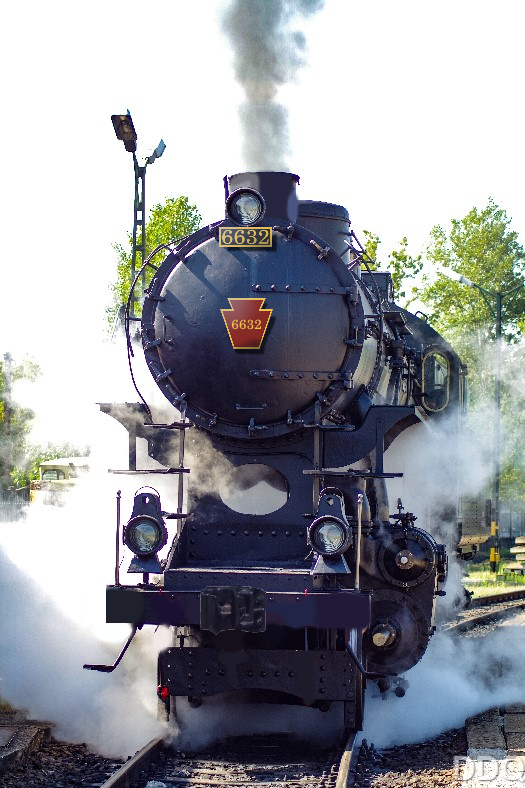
pixel 169 221
pixel 401 265
pixel 483 248
pixel 15 421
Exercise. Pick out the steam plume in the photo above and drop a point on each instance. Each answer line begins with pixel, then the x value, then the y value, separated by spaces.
pixel 267 54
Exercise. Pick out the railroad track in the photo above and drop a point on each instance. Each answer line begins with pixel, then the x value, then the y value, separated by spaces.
pixel 486 609
pixel 503 596
pixel 269 761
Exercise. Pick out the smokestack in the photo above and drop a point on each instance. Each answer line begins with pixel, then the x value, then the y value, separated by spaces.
pixel 267 53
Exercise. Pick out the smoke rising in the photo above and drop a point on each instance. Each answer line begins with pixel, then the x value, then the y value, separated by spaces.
pixel 268 53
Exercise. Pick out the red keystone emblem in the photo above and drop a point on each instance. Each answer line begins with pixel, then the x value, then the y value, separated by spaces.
pixel 246 322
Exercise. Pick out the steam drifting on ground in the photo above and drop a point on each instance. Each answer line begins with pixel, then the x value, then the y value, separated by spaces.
pixel 55 564
pixel 457 677
pixel 267 54
pixel 219 718
pixel 53 570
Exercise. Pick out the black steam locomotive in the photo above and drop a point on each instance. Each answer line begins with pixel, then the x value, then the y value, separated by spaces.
pixel 288 578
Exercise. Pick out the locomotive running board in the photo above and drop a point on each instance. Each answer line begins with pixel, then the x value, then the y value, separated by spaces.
pixel 111 668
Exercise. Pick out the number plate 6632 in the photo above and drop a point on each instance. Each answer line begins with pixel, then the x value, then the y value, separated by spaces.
pixel 245 236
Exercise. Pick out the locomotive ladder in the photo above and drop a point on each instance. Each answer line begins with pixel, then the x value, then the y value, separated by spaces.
pixel 180 470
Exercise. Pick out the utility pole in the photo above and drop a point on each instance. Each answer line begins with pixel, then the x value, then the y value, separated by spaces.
pixel 495 557
pixel 125 131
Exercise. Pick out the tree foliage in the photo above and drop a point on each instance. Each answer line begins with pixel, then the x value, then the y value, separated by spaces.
pixel 483 248
pixel 403 267
pixel 15 421
pixel 19 460
pixel 169 221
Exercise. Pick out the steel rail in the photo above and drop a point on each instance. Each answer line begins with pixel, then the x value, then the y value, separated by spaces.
pixel 347 767
pixel 507 607
pixel 129 772
pixel 503 596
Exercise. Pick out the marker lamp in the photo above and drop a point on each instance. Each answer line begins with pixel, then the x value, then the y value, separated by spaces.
pixel 144 535
pixel 329 535
pixel 245 207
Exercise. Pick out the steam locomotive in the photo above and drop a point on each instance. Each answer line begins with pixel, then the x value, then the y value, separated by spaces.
pixel 288 577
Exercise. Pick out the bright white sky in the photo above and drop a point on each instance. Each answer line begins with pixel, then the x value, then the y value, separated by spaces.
pixel 409 113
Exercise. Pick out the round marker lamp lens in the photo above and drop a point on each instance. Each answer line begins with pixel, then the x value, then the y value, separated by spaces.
pixel 144 536
pixel 329 536
pixel 245 207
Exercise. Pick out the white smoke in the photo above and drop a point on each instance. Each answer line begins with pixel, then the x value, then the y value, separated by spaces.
pixel 53 571
pixel 268 53
pixel 56 562
pixel 221 717
pixel 438 464
pixel 457 678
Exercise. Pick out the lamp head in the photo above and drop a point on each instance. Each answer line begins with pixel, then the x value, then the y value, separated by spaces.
pixel 125 131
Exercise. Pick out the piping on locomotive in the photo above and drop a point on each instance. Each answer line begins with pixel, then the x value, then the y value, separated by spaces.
pixel 308 602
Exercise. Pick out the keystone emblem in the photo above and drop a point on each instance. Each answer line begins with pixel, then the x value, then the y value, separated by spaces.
pixel 246 322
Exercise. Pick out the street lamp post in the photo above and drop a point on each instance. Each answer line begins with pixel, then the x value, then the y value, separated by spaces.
pixel 125 131
pixel 498 296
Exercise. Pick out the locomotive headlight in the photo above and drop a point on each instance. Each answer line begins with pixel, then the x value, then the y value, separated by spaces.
pixel 145 535
pixel 329 535
pixel 245 206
